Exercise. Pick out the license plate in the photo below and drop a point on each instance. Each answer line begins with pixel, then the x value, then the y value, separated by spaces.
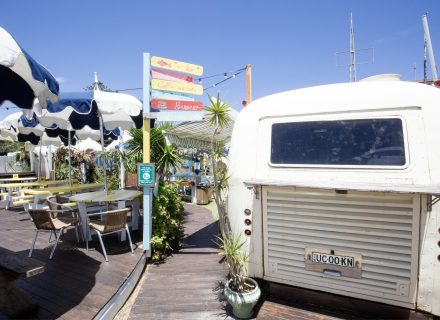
pixel 333 262
pixel 331 259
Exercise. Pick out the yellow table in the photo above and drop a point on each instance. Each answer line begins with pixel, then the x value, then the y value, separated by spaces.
pixel 18 186
pixel 43 193
pixel 122 196
pixel 18 179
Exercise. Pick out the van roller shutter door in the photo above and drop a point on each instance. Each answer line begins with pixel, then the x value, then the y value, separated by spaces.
pixel 377 231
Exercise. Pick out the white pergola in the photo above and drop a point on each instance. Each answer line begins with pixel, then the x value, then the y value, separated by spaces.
pixel 198 134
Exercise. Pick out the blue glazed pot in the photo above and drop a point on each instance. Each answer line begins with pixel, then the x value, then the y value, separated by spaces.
pixel 242 303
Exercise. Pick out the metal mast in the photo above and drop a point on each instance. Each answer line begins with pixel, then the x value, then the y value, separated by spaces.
pixel 352 52
pixel 429 48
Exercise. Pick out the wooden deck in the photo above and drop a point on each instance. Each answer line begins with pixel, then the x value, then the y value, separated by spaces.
pixel 286 302
pixel 76 284
pixel 189 284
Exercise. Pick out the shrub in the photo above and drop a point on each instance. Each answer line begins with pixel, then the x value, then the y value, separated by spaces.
pixel 167 220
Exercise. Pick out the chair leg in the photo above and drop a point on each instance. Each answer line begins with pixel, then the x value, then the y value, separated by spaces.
pixel 87 238
pixel 129 238
pixel 33 244
pixel 102 246
pixel 76 233
pixel 58 236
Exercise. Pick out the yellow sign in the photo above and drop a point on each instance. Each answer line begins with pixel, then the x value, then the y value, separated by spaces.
pixel 15 176
pixel 176 65
pixel 177 86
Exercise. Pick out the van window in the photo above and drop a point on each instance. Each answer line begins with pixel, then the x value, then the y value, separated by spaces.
pixel 376 142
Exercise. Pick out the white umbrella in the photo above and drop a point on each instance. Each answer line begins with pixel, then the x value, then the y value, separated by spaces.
pixel 22 78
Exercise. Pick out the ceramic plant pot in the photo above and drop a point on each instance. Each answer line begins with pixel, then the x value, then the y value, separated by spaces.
pixel 242 303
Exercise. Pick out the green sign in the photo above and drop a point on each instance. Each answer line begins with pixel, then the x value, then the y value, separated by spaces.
pixel 146 174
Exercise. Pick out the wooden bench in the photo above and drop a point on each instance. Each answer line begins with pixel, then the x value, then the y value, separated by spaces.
pixel 13 301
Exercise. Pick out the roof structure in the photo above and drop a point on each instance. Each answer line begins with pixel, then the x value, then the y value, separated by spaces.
pixel 198 134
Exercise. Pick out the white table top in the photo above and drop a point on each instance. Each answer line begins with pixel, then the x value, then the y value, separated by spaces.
pixel 102 196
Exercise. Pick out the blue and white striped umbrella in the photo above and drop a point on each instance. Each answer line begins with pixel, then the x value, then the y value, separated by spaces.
pixel 88 108
pixel 22 78
pixel 9 131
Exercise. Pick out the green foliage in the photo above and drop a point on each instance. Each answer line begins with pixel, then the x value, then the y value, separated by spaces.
pixel 165 157
pixel 101 87
pixel 167 220
pixel 218 112
pixel 79 158
pixel 8 146
pixel 230 247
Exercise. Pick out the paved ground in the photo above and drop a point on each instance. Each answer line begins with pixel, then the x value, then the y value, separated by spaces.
pixel 188 285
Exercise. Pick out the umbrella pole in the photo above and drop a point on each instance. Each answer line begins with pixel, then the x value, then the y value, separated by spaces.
pixel 104 166
pixel 121 163
pixel 39 161
pixel 70 160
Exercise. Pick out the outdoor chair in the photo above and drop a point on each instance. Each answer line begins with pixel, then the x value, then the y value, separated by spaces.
pixel 112 221
pixel 61 204
pixel 53 222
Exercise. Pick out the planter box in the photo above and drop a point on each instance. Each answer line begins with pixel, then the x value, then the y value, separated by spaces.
pixel 203 195
pixel 131 179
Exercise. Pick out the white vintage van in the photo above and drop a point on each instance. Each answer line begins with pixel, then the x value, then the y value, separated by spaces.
pixel 335 188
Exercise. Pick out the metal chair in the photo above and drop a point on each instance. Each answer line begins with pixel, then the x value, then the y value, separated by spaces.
pixel 112 221
pixel 60 204
pixel 46 221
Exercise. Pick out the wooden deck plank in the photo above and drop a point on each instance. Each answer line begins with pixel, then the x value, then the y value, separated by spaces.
pixel 187 285
pixel 76 284
pixel 288 302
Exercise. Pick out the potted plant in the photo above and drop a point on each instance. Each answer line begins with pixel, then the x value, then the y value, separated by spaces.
pixel 241 292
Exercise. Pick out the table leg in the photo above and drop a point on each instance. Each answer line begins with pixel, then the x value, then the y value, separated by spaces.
pixel 9 198
pixel 122 235
pixel 135 213
pixel 82 207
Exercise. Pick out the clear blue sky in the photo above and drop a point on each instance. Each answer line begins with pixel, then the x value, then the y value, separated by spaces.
pixel 290 44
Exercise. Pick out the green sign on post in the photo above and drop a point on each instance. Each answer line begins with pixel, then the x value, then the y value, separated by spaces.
pixel 146 174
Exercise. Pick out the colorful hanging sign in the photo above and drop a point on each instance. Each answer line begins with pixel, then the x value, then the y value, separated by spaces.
pixel 178 116
pixel 171 76
pixel 176 65
pixel 177 86
pixel 178 105
pixel 158 94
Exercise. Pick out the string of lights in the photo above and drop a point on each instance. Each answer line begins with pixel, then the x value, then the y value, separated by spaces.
pixel 236 73
pixel 227 76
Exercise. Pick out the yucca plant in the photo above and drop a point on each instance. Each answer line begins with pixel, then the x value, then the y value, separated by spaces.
pixel 230 247
pixel 217 114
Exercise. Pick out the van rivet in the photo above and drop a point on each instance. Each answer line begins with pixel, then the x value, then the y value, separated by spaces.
pixel 247 212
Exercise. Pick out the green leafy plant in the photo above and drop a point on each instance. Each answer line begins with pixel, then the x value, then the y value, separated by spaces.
pixel 230 247
pixel 165 157
pixel 167 220
pixel 217 114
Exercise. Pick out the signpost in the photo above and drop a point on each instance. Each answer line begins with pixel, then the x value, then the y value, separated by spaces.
pixel 176 65
pixel 171 76
pixel 179 105
pixel 165 93
pixel 158 94
pixel 174 86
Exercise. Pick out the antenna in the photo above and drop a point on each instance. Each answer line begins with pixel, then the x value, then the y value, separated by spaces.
pixel 353 53
pixel 352 68
pixel 428 46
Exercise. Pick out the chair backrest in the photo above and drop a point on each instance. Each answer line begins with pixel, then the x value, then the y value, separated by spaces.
pixel 54 202
pixel 41 219
pixel 115 219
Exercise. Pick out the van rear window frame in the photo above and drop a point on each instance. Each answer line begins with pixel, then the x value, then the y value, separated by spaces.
pixel 363 164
